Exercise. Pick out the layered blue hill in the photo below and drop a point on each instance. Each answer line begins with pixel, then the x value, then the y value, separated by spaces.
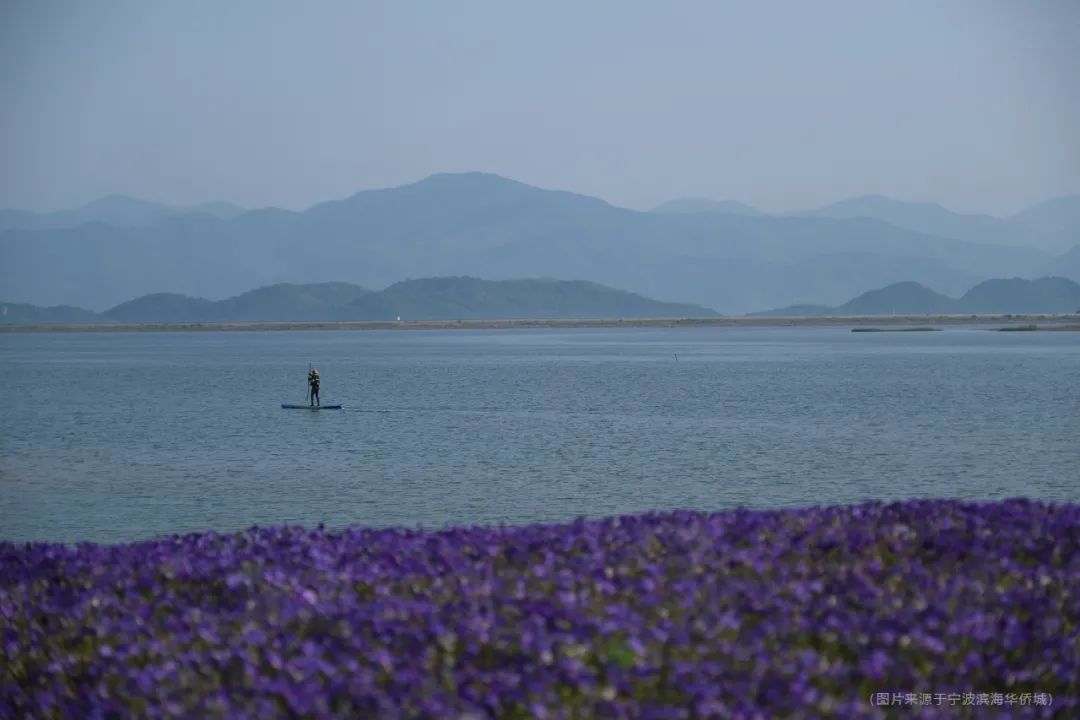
pixel 472 224
pixel 1048 295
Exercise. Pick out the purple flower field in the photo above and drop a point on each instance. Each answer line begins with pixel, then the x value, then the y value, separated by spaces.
pixel 949 609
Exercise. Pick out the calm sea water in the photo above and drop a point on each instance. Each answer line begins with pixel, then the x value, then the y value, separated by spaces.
pixel 116 437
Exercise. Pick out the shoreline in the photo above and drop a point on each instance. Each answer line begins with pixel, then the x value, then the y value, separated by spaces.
pixel 1051 322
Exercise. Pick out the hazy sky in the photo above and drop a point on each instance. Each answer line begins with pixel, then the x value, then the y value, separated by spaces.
pixel 783 105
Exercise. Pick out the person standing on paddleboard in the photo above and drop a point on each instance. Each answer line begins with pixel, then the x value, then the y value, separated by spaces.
pixel 313 383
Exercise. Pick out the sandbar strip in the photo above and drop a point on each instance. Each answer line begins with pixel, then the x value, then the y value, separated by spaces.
pixel 1042 322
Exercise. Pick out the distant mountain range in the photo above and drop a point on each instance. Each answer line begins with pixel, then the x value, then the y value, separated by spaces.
pixel 728 257
pixel 1051 295
pixel 23 313
pixel 1052 226
pixel 448 298
pixel 283 303
pixel 116 210
pixel 467 298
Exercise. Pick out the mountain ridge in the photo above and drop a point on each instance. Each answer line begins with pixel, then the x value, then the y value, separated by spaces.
pixel 1052 224
pixel 998 296
pixel 1065 208
pixel 469 298
pixel 483 225
pixel 116 210
pixel 446 298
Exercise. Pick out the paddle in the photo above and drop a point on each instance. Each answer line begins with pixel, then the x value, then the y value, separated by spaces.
pixel 307 397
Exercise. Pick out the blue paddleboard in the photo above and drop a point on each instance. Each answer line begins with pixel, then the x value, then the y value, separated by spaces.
pixel 310 407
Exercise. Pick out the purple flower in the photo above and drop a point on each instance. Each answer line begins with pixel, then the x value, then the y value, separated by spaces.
pixel 733 614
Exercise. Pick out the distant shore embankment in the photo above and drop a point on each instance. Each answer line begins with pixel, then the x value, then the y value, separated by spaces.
pixel 1040 322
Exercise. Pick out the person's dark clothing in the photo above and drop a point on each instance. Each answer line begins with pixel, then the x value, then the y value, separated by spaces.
pixel 313 381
